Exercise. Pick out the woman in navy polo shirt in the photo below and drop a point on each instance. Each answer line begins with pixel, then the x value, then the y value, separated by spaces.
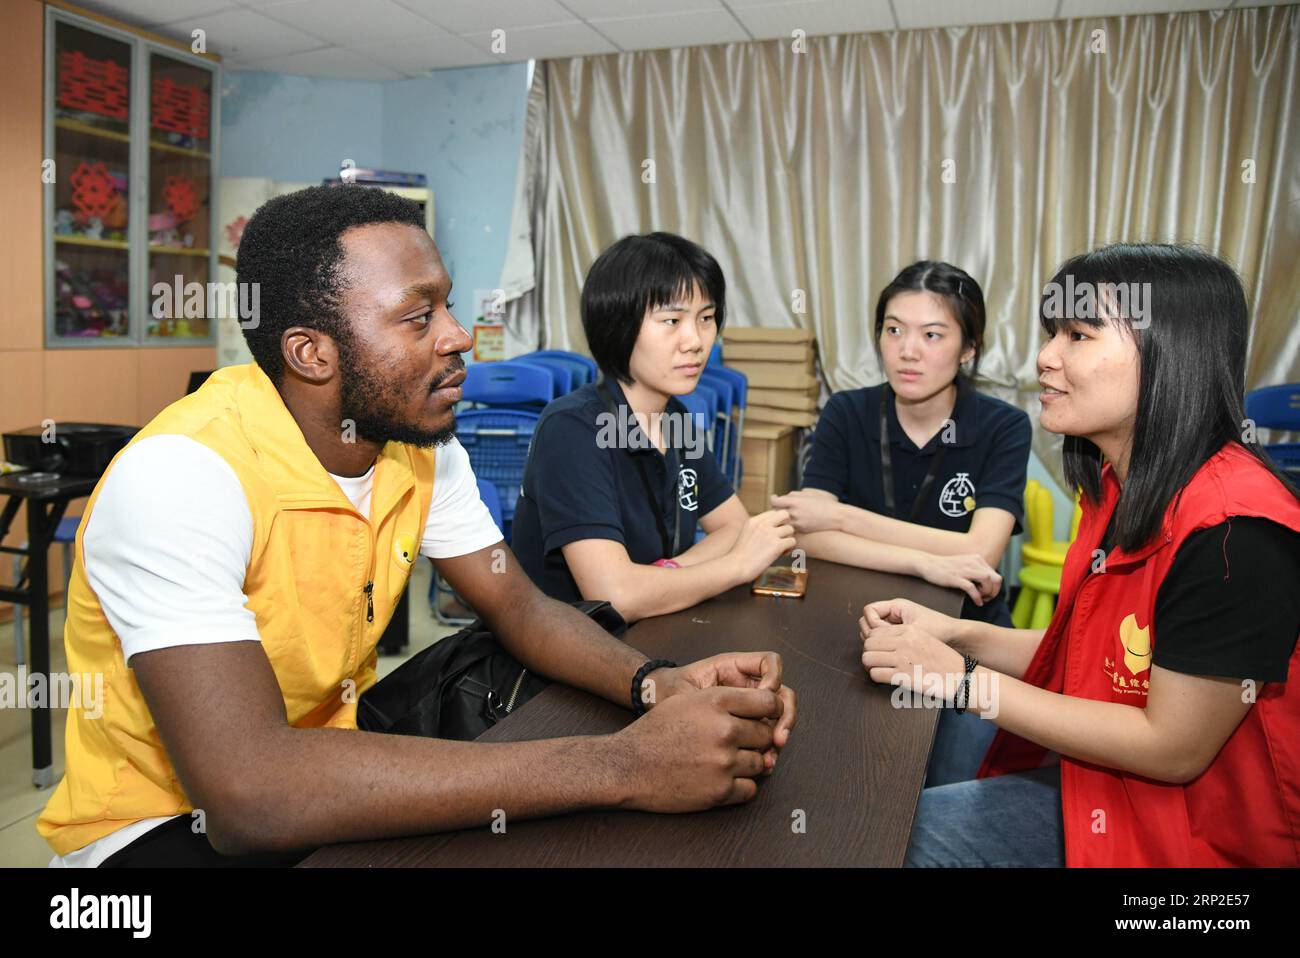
pixel 618 475
pixel 943 493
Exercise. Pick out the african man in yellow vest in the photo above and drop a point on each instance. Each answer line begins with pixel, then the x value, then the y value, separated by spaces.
pixel 239 560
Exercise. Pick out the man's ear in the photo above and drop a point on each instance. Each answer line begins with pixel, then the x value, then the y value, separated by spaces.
pixel 310 354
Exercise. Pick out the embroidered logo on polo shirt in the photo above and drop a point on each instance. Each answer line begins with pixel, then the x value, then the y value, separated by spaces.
pixel 404 549
pixel 688 484
pixel 957 496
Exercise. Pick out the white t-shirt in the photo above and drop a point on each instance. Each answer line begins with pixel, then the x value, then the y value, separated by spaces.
pixel 170 539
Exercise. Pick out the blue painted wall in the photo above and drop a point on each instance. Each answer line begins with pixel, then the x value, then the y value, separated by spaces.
pixel 463 129
pixel 297 128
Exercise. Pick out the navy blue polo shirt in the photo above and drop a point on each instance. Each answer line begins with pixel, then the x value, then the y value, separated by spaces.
pixel 578 485
pixel 984 464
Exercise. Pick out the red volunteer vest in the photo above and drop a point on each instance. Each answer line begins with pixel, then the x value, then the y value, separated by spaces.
pixel 1242 810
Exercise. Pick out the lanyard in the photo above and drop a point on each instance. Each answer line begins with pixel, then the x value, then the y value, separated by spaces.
pixel 675 543
pixel 887 466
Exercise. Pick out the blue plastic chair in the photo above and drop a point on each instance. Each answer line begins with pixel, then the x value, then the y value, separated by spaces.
pixel 715 355
pixel 587 365
pixel 508 384
pixel 492 499
pixel 700 407
pixel 561 373
pixel 65 533
pixel 1278 407
pixel 714 402
pixel 740 392
pixel 437 588
pixel 497 442
pixel 726 391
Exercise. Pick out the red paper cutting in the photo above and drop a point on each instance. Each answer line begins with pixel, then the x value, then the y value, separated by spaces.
pixel 96 86
pixel 92 191
pixel 179 108
pixel 181 198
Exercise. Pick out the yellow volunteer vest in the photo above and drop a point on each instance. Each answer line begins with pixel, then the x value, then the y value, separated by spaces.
pixel 313 557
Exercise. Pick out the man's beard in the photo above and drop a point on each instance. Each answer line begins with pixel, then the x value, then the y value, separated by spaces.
pixel 373 405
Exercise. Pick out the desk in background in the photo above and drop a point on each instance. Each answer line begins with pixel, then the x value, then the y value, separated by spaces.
pixel 46 503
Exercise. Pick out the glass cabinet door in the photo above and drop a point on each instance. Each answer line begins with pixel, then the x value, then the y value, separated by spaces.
pixel 180 199
pixel 92 202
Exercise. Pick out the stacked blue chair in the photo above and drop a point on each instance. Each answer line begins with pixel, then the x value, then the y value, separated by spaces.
pixel 583 367
pixel 739 383
pixel 488 493
pixel 1278 407
pixel 497 442
pixel 701 406
pixel 505 400
pixel 560 373
pixel 726 392
pixel 65 533
pixel 508 383
pixel 492 499
pixel 714 403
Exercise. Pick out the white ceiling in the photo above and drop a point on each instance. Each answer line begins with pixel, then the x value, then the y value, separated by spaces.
pixel 396 39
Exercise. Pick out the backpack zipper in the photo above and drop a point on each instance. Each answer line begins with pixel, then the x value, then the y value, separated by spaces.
pixel 514 693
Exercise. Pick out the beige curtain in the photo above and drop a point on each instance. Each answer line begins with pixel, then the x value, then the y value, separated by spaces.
pixel 1002 149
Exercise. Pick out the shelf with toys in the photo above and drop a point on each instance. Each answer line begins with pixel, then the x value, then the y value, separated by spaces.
pixel 131 127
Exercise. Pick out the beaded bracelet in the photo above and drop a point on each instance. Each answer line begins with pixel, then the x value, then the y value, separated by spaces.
pixel 963 690
pixel 638 706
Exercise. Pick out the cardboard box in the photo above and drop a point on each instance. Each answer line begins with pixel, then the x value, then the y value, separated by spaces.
pixel 775 375
pixel 766 334
pixel 768 452
pixel 783 399
pixel 787 417
pixel 799 353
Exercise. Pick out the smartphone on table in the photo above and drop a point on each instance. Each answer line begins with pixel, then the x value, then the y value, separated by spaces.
pixel 781 580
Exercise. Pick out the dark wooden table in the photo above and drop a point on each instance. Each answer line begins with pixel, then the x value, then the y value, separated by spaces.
pixel 46 502
pixel 851 773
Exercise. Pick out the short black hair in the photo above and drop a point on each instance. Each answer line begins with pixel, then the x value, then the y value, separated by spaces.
pixel 635 276
pixel 291 248
pixel 960 293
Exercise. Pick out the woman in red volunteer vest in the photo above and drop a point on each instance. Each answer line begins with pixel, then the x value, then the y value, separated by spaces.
pixel 1152 723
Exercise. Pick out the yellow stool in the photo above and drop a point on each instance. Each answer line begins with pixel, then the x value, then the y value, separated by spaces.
pixel 1042 558
pixel 1039 587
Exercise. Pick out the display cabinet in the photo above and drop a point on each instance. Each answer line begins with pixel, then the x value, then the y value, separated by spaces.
pixel 130 154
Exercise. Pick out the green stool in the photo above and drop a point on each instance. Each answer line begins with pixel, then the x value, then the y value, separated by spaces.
pixel 1039 587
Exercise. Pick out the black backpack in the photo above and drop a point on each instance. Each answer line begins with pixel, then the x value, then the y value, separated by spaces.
pixel 460 686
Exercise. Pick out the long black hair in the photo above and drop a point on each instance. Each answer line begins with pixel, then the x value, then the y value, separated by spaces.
pixel 1191 337
pixel 959 292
